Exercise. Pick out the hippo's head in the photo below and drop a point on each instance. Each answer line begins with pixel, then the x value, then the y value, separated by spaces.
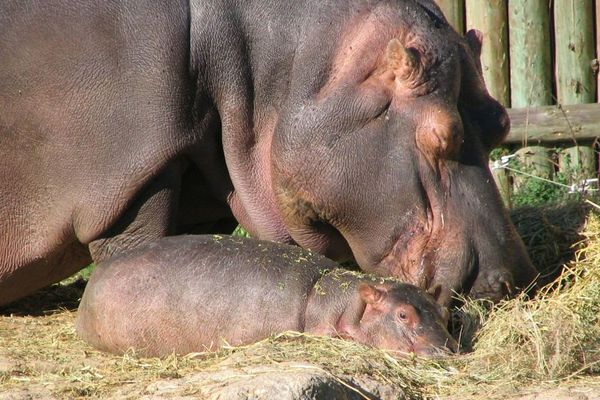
pixel 381 154
pixel 403 318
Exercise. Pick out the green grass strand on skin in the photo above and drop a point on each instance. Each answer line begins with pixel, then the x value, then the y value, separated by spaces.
pixel 240 231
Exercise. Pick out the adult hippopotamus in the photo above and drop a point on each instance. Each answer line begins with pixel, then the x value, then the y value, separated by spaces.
pixel 357 129
pixel 189 293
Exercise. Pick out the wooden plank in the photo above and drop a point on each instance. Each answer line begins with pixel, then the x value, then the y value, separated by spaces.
pixel 454 10
pixel 573 31
pixel 553 124
pixel 530 57
pixel 491 18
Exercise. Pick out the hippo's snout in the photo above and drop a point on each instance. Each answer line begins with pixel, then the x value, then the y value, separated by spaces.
pixel 436 352
pixel 450 345
pixel 494 284
pixel 436 343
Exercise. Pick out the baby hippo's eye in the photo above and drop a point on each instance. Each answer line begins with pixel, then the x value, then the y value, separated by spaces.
pixel 407 314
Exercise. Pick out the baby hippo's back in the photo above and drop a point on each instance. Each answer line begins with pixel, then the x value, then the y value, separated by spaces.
pixel 195 293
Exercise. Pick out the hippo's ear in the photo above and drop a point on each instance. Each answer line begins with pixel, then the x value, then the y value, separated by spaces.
pixel 435 292
pixel 474 40
pixel 371 294
pixel 403 61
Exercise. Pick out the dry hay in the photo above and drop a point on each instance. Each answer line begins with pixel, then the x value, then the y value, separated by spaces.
pixel 547 340
pixel 550 234
pixel 550 340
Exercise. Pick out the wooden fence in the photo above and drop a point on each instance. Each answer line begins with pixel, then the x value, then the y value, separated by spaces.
pixel 540 60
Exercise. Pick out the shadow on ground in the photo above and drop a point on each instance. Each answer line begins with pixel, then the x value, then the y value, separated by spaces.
pixel 60 296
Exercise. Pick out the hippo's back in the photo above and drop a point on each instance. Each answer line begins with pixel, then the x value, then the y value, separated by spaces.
pixel 190 293
pixel 92 95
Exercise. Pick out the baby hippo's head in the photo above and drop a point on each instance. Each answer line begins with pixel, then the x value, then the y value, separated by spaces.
pixel 403 318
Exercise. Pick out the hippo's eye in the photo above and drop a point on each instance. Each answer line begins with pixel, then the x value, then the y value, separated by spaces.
pixel 407 314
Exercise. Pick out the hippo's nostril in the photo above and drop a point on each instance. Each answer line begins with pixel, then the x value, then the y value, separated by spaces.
pixel 494 284
pixel 508 288
pixel 504 282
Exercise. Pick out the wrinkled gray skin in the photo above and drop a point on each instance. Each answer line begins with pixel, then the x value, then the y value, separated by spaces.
pixel 358 129
pixel 195 293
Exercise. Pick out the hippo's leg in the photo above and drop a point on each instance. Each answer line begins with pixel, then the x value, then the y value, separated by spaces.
pixel 52 267
pixel 150 216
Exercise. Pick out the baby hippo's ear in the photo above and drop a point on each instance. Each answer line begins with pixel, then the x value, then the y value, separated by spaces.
pixel 371 294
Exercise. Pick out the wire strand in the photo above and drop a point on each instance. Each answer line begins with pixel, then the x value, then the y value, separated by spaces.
pixel 537 177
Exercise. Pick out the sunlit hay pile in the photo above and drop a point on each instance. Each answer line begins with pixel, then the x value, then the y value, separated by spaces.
pixel 545 341
pixel 44 356
pixel 552 338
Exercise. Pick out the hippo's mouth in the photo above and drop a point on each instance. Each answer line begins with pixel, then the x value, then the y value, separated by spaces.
pixel 449 348
pixel 423 346
pixel 406 257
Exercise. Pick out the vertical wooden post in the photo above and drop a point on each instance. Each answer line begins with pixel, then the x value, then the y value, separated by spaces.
pixel 502 179
pixel 530 74
pixel 490 17
pixel 454 10
pixel 530 58
pixel 598 50
pixel 575 81
pixel 598 68
pixel 573 21
pixel 578 163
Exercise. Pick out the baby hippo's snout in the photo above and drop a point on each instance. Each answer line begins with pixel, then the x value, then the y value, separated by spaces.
pixel 435 342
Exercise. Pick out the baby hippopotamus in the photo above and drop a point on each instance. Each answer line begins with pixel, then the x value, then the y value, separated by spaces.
pixel 187 294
